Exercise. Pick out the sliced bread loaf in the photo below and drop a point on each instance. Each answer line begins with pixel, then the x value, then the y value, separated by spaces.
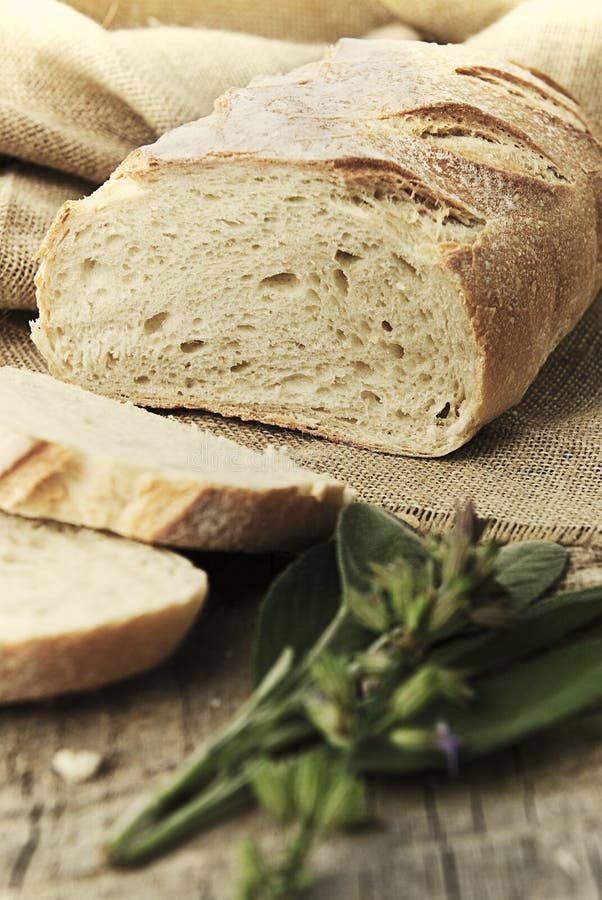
pixel 73 456
pixel 80 609
pixel 382 247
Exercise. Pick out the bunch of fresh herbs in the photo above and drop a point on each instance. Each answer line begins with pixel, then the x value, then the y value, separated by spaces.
pixel 380 651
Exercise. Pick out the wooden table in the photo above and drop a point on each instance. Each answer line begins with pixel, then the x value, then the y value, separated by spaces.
pixel 526 823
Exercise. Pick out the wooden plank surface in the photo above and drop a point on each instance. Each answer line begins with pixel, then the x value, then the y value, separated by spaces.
pixel 526 823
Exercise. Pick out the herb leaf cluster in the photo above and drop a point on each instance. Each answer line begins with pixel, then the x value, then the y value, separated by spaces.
pixel 380 651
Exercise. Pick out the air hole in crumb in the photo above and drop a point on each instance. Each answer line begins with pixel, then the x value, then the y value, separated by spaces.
pixel 88 264
pixel 360 366
pixel 394 350
pixel 155 323
pixel 141 379
pixel 238 367
pixel 443 414
pixel 370 397
pixel 298 377
pixel 280 278
pixel 191 346
pixel 342 256
pixel 386 326
pixel 404 264
pixel 341 281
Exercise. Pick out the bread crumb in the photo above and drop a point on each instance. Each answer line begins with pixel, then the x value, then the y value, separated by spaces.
pixel 76 766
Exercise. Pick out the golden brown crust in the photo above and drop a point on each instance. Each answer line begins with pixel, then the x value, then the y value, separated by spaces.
pixel 28 477
pixel 254 521
pixel 78 661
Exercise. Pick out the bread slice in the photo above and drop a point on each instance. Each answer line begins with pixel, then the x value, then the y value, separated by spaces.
pixel 70 455
pixel 80 609
pixel 382 247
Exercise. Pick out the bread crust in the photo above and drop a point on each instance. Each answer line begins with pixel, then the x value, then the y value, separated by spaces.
pixel 531 184
pixel 78 661
pixel 57 482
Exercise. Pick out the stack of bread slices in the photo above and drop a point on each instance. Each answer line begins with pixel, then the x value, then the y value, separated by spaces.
pixel 87 486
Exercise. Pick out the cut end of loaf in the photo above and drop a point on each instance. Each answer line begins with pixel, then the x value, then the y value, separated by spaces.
pixel 294 296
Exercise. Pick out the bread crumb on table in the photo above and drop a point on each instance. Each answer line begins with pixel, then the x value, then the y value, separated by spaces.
pixel 76 766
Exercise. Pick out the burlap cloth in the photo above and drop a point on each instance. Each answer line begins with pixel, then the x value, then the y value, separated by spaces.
pixel 77 94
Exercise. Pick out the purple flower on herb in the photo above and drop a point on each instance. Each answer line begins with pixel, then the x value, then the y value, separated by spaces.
pixel 449 744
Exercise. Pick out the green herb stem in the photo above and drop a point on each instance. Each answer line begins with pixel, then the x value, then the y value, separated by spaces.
pixel 136 843
pixel 298 850
pixel 256 731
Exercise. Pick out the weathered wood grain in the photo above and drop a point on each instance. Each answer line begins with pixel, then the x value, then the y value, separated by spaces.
pixel 523 825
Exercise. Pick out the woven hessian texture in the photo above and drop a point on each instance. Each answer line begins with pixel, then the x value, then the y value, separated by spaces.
pixel 295 20
pixel 536 471
pixel 76 97
pixel 450 22
pixel 558 37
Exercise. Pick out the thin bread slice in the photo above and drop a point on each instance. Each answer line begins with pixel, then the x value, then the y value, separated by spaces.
pixel 73 456
pixel 81 609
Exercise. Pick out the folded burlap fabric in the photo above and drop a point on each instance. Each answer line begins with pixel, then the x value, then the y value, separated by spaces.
pixel 304 20
pixel 560 38
pixel 294 20
pixel 75 98
pixel 450 22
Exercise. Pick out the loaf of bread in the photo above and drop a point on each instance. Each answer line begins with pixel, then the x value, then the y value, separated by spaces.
pixel 73 456
pixel 381 248
pixel 80 609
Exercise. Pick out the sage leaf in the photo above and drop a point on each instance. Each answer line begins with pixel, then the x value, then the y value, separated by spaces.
pixel 298 606
pixel 533 695
pixel 539 626
pixel 508 705
pixel 527 569
pixel 367 535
